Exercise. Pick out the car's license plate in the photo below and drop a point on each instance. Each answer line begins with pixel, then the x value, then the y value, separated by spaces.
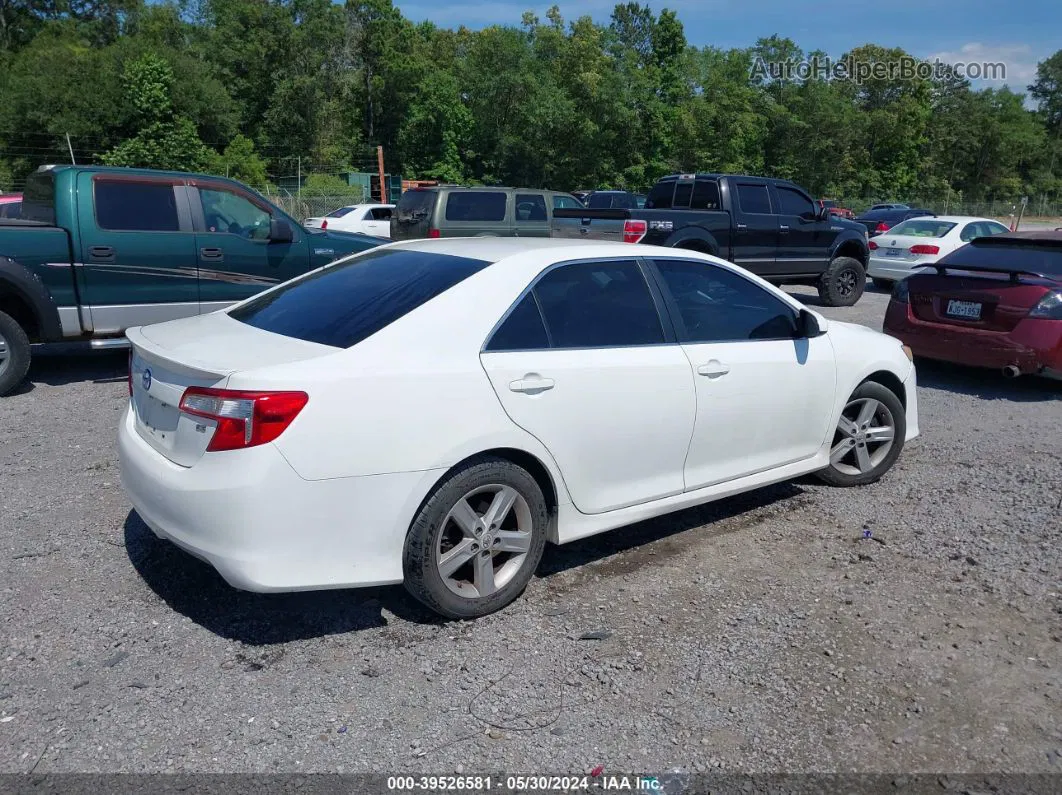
pixel 966 309
pixel 893 252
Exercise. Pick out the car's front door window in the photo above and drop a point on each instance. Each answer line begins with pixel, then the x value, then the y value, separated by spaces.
pixel 225 211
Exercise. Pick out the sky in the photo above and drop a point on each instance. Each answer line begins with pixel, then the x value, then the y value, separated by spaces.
pixel 1018 33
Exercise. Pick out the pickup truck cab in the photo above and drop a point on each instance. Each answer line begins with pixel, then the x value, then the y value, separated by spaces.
pixel 98 250
pixel 770 227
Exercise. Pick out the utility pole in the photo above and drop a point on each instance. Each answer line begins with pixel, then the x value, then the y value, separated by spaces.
pixel 298 179
pixel 70 146
pixel 383 186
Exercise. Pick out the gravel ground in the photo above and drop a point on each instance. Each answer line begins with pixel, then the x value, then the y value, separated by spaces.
pixel 760 633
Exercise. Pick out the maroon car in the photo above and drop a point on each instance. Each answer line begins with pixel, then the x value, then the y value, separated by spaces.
pixel 996 302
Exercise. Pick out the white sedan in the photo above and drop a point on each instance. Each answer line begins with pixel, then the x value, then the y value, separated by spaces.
pixel 919 242
pixel 365 219
pixel 433 412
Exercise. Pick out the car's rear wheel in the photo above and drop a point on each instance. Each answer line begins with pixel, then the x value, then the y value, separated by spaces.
pixel 843 282
pixel 14 354
pixel 477 539
pixel 868 438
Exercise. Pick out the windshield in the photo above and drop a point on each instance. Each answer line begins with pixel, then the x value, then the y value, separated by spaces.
pixel 923 227
pixel 344 303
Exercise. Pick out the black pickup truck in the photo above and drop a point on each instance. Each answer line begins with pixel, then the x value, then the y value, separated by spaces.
pixel 770 227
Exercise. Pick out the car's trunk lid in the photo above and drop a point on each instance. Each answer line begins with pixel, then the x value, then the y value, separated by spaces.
pixel 989 302
pixel 203 351
pixel 898 247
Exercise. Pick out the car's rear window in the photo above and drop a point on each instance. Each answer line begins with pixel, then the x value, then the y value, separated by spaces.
pixel 923 227
pixel 986 253
pixel 415 204
pixel 348 302
pixel 339 213
pixel 38 198
pixel 661 195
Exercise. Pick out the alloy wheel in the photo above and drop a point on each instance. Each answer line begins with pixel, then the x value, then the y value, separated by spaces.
pixel 865 434
pixel 484 541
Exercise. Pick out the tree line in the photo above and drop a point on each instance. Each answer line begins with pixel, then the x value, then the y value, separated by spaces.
pixel 257 88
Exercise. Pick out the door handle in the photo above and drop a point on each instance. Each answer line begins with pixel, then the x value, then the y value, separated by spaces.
pixel 714 369
pixel 101 253
pixel 215 254
pixel 742 227
pixel 531 384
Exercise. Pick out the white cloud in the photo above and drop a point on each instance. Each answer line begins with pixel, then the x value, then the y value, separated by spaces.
pixel 1019 62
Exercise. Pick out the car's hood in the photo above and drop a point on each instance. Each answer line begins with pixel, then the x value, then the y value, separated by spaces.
pixel 845 223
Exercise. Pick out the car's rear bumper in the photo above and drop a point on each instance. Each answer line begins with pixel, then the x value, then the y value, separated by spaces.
pixel 894 269
pixel 249 515
pixel 1034 345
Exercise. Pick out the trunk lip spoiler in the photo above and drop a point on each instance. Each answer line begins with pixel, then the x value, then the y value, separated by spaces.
pixel 1014 274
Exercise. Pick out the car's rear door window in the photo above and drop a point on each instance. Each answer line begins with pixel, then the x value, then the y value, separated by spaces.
pixel 754 199
pixel 661 195
pixel 475 206
pixel 347 302
pixel 705 195
pixel 599 304
pixel 127 205
pixel 522 330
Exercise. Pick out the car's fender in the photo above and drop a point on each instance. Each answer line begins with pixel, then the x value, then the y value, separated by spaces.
pixel 25 285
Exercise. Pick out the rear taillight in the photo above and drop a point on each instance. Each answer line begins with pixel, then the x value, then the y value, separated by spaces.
pixel 872 246
pixel 634 230
pixel 130 372
pixel 901 292
pixel 324 223
pixel 1049 308
pixel 244 419
pixel 922 248
pixel 881 227
pixel 434 233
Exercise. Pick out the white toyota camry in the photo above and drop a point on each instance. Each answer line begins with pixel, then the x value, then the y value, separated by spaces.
pixel 432 412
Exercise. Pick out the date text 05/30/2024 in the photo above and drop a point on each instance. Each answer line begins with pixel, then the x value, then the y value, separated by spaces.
pixel 521 784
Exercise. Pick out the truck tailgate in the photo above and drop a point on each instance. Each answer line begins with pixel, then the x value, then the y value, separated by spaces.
pixel 589 224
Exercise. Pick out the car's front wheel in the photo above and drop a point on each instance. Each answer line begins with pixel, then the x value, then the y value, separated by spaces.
pixel 477 539
pixel 843 282
pixel 868 438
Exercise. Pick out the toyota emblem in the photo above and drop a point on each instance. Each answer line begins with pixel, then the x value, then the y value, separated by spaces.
pixel 146 379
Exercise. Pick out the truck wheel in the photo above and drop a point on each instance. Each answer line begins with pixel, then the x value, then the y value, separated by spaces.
pixel 14 354
pixel 843 282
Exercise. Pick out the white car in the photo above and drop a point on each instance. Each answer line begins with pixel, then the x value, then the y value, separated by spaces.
pixel 365 219
pixel 919 242
pixel 432 412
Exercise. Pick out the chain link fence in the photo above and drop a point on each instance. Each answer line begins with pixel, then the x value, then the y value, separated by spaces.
pixel 302 207
pixel 1037 208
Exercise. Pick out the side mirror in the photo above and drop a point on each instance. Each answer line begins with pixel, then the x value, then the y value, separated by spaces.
pixel 280 231
pixel 808 325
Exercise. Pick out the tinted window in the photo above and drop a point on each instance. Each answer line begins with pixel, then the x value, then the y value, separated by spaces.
pixel 639 200
pixel 380 213
pixel 475 206
pixel 566 203
pixel 523 330
pixel 793 202
pixel 530 207
pixel 38 198
pixel 993 253
pixel 136 206
pixel 660 196
pixel 683 192
pixel 229 212
pixel 705 195
pixel 416 202
pixel 339 213
pixel 719 306
pixel 754 199
pixel 598 304
pixel 345 303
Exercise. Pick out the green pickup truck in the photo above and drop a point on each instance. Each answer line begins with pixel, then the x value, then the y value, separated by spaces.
pixel 99 250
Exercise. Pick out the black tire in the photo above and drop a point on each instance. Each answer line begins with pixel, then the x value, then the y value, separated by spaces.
pixel 883 284
pixel 843 282
pixel 833 474
pixel 15 343
pixel 421 573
